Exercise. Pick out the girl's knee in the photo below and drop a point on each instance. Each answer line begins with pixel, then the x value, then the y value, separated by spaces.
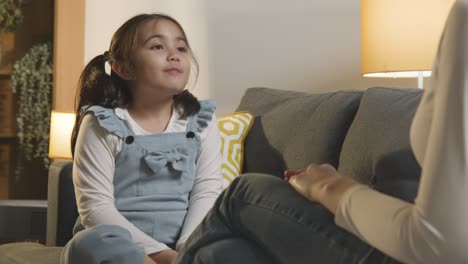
pixel 101 234
pixel 106 231
pixel 102 243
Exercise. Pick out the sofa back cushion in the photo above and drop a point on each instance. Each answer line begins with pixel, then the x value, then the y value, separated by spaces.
pixel 376 150
pixel 62 210
pixel 292 129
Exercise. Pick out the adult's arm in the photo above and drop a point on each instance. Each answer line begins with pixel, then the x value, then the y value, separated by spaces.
pixel 434 229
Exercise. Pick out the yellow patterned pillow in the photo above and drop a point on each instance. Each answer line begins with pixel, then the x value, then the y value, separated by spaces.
pixel 233 128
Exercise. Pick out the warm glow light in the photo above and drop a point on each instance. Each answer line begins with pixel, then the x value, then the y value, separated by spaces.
pixel 400 35
pixel 61 127
pixel 406 74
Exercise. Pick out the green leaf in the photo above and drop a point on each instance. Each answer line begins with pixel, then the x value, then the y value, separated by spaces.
pixel 31 81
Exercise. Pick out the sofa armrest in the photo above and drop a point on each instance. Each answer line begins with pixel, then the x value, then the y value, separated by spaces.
pixel 62 211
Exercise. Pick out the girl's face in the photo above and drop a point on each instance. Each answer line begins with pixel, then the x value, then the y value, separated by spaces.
pixel 161 59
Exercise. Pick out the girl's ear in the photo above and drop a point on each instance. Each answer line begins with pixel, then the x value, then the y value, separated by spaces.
pixel 122 70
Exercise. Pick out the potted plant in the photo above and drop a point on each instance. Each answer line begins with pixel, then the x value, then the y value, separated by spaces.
pixel 10 14
pixel 31 81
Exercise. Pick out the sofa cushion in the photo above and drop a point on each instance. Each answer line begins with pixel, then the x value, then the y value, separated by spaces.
pixel 292 129
pixel 376 150
pixel 62 210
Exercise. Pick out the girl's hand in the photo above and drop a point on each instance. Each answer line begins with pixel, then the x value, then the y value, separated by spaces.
pixel 166 256
pixel 322 184
pixel 179 248
pixel 148 260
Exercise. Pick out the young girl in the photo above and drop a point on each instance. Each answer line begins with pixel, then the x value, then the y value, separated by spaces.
pixel 275 222
pixel 147 159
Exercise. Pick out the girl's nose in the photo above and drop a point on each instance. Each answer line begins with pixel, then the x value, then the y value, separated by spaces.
pixel 173 57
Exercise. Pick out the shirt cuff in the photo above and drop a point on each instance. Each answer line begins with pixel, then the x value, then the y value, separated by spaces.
pixel 343 212
pixel 182 240
pixel 155 248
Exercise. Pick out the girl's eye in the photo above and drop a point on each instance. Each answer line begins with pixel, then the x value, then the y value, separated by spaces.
pixel 182 49
pixel 157 47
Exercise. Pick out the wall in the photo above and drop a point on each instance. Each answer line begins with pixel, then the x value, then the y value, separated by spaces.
pixel 298 45
pixel 68 52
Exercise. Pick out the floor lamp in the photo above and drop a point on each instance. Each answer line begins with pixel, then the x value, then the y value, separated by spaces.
pixel 61 127
pixel 399 37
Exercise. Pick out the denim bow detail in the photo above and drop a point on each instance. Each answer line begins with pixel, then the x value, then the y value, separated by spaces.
pixel 157 160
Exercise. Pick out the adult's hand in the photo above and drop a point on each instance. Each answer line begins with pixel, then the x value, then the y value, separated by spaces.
pixel 166 256
pixel 288 174
pixel 322 184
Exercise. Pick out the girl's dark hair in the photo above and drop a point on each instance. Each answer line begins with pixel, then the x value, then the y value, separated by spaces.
pixel 95 87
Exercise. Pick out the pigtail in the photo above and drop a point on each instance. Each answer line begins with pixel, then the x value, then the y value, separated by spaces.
pixel 186 104
pixel 96 87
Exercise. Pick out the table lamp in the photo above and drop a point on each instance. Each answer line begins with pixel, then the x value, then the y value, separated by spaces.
pixel 61 127
pixel 399 37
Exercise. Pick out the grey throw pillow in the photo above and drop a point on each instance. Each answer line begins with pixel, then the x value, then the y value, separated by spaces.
pixel 376 150
pixel 292 129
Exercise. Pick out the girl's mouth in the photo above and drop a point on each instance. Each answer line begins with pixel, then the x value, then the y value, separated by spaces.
pixel 172 70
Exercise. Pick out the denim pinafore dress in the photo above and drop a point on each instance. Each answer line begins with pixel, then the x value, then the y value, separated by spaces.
pixel 155 173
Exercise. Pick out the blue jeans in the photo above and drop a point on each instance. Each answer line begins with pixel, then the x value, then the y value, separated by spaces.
pixel 102 244
pixel 262 219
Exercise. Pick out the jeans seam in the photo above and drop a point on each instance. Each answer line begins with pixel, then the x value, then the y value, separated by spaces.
pixel 270 208
pixel 329 239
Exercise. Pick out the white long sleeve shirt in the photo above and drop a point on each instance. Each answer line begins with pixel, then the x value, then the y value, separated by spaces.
pixel 93 174
pixel 435 228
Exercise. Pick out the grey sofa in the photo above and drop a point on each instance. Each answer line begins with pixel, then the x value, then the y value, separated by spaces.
pixel 365 134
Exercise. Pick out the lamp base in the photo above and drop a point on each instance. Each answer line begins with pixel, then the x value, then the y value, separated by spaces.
pixel 420 80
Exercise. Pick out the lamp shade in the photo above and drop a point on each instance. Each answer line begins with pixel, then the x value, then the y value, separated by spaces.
pixel 61 127
pixel 400 37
